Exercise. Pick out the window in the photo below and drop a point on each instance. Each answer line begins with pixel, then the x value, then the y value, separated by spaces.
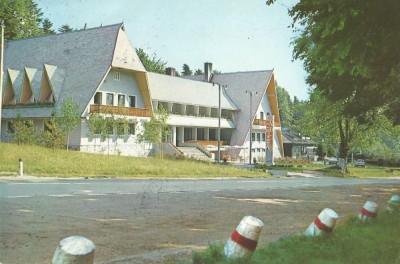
pixel 253 136
pixel 258 137
pixel 132 101
pixel 10 127
pixel 262 115
pixel 263 137
pixel 131 128
pixel 116 76
pixel 121 100
pixel 110 99
pixel 97 98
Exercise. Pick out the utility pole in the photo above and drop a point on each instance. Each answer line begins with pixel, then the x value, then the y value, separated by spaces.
pixel 251 122
pixel 219 120
pixel 1 71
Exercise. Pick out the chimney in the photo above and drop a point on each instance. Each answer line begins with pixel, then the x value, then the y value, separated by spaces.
pixel 170 71
pixel 207 71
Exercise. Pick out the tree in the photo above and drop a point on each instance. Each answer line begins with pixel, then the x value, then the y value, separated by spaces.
pixel 52 136
pixel 285 106
pixel 157 130
pixel 47 27
pixel 69 118
pixel 186 70
pixel 151 63
pixel 198 72
pixel 65 28
pixel 350 51
pixel 21 18
pixel 24 131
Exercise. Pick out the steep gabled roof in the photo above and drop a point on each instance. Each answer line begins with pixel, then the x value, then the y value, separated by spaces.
pixel 178 90
pixel 78 62
pixel 237 84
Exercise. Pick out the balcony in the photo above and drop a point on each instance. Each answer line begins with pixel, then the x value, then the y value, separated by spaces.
pixel 262 122
pixel 129 111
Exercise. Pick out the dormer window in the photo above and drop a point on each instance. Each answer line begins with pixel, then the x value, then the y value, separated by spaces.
pixel 117 76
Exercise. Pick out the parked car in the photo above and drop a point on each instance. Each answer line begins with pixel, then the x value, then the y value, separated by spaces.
pixel 359 163
pixel 332 161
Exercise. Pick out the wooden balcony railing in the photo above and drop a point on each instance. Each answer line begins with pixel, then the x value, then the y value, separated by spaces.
pixel 129 111
pixel 261 122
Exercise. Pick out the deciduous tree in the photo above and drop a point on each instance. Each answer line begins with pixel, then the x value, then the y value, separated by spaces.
pixel 151 63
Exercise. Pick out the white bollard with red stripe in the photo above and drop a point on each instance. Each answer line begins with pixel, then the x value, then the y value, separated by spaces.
pixel 368 212
pixel 394 203
pixel 244 239
pixel 323 223
pixel 74 250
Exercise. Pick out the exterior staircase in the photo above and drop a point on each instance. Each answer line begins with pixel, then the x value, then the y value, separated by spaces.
pixel 194 153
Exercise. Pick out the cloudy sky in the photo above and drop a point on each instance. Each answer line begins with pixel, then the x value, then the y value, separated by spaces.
pixel 234 35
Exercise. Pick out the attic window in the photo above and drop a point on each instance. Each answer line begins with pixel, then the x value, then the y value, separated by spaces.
pixel 116 76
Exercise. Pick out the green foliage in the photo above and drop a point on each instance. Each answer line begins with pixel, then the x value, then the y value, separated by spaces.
pixel 21 18
pixel 198 72
pixel 68 120
pixel 151 63
pixel 350 51
pixel 52 136
pixel 353 242
pixel 186 70
pixel 285 106
pixel 65 28
pixel 47 27
pixel 157 130
pixel 24 131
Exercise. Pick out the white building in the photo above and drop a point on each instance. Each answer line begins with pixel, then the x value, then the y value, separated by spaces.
pixel 99 69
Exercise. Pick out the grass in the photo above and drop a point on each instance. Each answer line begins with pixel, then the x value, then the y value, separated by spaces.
pixel 39 161
pixel 352 242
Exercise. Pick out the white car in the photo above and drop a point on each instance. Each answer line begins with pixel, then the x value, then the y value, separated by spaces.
pixel 359 163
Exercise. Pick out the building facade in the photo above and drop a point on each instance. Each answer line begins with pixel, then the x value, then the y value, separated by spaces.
pixel 99 69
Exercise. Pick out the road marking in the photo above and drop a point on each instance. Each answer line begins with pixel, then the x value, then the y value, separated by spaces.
pixel 19 196
pixel 25 210
pixel 61 195
pixel 110 219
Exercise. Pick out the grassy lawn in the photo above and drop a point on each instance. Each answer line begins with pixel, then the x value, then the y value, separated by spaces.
pixel 352 242
pixel 39 161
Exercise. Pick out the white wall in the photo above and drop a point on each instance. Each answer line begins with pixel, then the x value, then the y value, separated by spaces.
pixel 127 86
pixel 125 145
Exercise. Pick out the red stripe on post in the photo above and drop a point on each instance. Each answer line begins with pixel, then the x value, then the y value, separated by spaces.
pixel 244 241
pixel 321 226
pixel 367 213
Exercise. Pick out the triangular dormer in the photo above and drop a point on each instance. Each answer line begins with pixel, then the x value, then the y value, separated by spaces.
pixel 46 91
pixel 27 96
pixel 13 83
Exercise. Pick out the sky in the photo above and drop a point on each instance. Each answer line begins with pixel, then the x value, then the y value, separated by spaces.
pixel 234 35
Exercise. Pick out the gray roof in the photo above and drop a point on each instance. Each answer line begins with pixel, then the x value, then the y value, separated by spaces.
pixel 237 84
pixel 179 90
pixel 292 138
pixel 76 63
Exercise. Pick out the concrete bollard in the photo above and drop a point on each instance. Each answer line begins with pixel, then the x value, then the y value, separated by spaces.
pixel 21 167
pixel 323 223
pixel 244 239
pixel 368 212
pixel 74 250
pixel 394 203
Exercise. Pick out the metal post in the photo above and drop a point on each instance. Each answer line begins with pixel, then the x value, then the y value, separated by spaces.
pixel 1 70
pixel 219 123
pixel 251 122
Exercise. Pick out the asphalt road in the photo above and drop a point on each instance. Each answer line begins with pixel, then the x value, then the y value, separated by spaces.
pixel 143 221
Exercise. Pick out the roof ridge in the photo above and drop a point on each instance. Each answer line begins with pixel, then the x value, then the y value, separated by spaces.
pixel 63 33
pixel 271 70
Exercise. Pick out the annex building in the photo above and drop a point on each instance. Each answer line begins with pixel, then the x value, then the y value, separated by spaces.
pixel 99 69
